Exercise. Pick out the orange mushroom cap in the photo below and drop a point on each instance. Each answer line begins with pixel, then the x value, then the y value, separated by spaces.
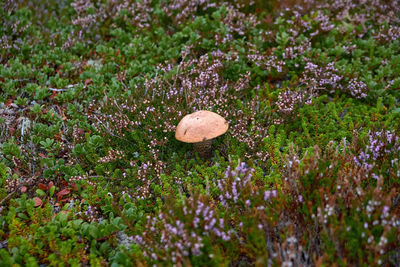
pixel 200 126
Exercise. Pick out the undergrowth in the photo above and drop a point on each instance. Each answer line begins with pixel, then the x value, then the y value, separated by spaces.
pixel 307 175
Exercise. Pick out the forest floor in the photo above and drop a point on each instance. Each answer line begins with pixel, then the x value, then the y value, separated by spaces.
pixel 307 174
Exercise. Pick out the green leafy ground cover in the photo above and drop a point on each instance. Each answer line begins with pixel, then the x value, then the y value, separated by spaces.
pixel 307 175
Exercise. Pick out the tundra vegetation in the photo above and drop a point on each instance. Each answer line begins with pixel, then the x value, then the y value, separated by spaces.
pixel 307 175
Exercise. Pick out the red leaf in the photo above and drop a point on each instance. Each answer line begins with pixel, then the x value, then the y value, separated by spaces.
pixel 23 189
pixel 38 201
pixel 74 187
pixel 87 81
pixel 42 186
pixel 42 155
pixel 63 192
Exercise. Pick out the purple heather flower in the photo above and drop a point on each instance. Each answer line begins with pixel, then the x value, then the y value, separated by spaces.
pixel 376 177
pixel 267 195
pixel 385 209
pixel 196 222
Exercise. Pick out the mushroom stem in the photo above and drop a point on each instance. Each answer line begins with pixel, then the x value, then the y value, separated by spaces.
pixel 203 148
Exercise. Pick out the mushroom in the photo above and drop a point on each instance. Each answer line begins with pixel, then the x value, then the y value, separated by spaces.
pixel 200 128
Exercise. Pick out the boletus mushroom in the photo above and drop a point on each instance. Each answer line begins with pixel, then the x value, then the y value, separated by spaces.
pixel 200 128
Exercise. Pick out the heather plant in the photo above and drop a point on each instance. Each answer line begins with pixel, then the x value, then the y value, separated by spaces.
pixel 349 214
pixel 380 144
pixel 192 228
pixel 307 174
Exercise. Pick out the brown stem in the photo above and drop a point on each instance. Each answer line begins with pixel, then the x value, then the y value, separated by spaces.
pixel 203 148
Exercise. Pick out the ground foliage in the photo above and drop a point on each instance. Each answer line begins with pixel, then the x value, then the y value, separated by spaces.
pixel 91 93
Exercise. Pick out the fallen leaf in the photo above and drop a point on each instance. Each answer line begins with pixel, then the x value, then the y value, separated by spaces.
pixel 62 193
pixel 74 187
pixel 51 184
pixel 23 189
pixel 38 201
pixel 42 186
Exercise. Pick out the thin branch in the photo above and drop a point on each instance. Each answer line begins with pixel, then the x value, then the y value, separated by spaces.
pixel 16 189
pixel 63 89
